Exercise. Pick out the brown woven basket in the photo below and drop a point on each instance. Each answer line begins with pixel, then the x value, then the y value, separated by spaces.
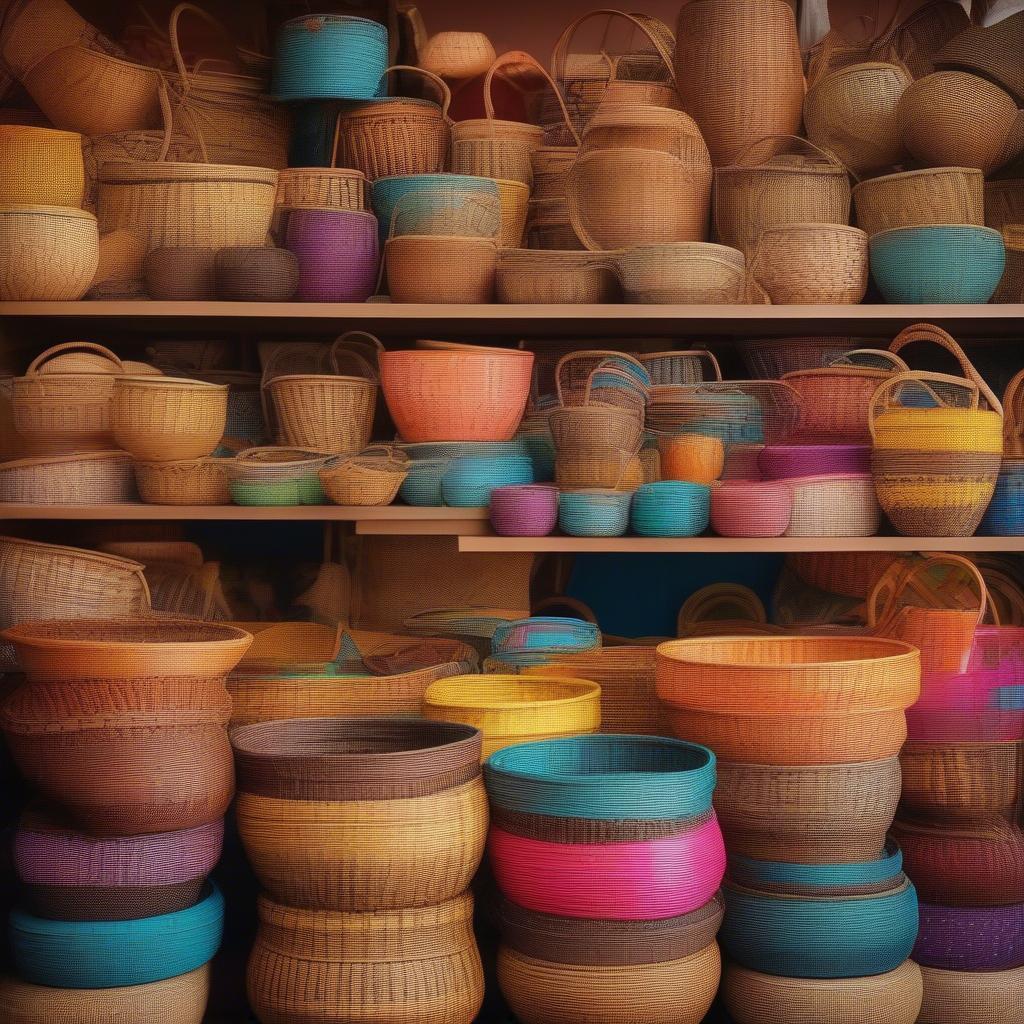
pixel 417 966
pixel 183 482
pixel 833 814
pixel 980 997
pixel 801 264
pixel 769 187
pixel 419 269
pixel 937 195
pixel 684 273
pixel 538 276
pixel 320 188
pixel 91 478
pixel 364 480
pixel 180 273
pixel 1011 287
pixel 457 55
pixel 256 274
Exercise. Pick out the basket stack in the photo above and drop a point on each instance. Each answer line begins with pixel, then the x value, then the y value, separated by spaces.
pixel 959 822
pixel 807 731
pixel 365 834
pixel 609 858
pixel 120 728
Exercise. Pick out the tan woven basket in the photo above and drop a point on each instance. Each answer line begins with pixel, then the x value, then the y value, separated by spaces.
pixel 40 167
pixel 977 997
pixel 626 126
pixel 537 276
pixel 165 419
pixel 457 55
pixel 852 113
pixel 1011 286
pixel 321 188
pixel 47 253
pixel 684 273
pixel 90 478
pixel 183 482
pixel 420 268
pixel 548 226
pixel 367 479
pixel 1004 202
pixel 937 195
pixel 834 505
pixel 780 189
pixel 803 264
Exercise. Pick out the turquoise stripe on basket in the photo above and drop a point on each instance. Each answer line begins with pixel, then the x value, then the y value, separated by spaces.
pixel 747 871
pixel 1005 514
pixel 938 263
pixel 110 954
pixel 594 513
pixel 468 483
pixel 386 192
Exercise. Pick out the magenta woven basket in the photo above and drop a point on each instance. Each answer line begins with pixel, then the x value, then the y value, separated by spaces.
pixel 785 461
pixel 337 252
pixel 529 510
pixel 971 938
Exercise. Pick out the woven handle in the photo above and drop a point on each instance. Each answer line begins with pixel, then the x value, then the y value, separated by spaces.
pixel 435 80
pixel 878 404
pixel 172 32
pixel 524 59
pixel 1013 420
pixel 896 364
pixel 72 346
pixel 806 143
pixel 598 354
pixel 339 354
pixel 701 606
pixel 936 335
pixel 703 355
pixel 901 578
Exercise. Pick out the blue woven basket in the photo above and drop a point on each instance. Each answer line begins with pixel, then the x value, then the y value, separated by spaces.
pixel 468 482
pixel 594 513
pixel 604 777
pixel 821 937
pixel 886 868
pixel 386 192
pixel 941 263
pixel 330 56
pixel 422 484
pixel 541 451
pixel 671 508
pixel 1005 515
pixel 535 640
pixel 109 954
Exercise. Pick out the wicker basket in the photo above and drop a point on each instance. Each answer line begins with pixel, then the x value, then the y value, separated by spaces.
pixel 256 274
pixel 803 264
pixel 183 482
pixel 740 73
pixel 852 113
pixel 551 276
pixel 364 480
pixel 180 273
pixel 987 997
pixel 684 273
pixel 834 505
pixel 166 419
pixel 937 195
pixel 40 167
pixel 361 814
pixel 420 268
pixel 419 966
pixel 780 189
pixel 100 478
pixel 457 55
pixel 47 253
pixel 314 188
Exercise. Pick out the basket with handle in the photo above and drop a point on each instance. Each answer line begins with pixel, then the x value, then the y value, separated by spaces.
pixel 721 607
pixel 685 366
pixel 641 74
pixel 934 195
pixel 55 412
pixel 624 126
pixel 835 400
pixel 396 135
pixel 750 195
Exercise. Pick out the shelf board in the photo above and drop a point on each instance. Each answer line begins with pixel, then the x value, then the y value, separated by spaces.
pixel 513 320
pixel 733 545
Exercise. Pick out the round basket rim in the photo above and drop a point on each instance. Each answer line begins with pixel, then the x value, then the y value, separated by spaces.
pixel 441 693
pixel 31 210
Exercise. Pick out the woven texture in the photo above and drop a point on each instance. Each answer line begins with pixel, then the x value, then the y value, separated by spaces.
pixel 683 273
pixel 41 167
pixel 338 254
pixel 256 274
pixel 56 480
pixel 50 253
pixel 938 195
pixel 973 997
pixel 971 938
pixel 812 263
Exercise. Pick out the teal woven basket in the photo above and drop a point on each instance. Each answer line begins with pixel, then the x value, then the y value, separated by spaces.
pixel 330 56
pixel 386 192
pixel 468 483
pixel 782 876
pixel 949 263
pixel 422 484
pixel 671 508
pixel 594 513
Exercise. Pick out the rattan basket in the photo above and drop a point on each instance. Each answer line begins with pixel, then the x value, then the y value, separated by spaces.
pixel 47 253
pixel 552 276
pixel 801 264
pixel 685 273
pixel 937 195
pixel 364 480
pixel 100 478
pixel 183 482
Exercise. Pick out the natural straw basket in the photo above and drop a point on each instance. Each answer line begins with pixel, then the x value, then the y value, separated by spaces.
pixel 698 273
pixel 834 505
pixel 418 965
pixel 852 112
pixel 422 268
pixel 165 419
pixel 364 480
pixel 180 273
pixel 183 482
pixel 457 55
pixel 47 253
pixel 807 186
pixel 361 814
pixel 552 276
pixel 40 167
pixel 804 264
pixel 257 273
pixel 331 188
pixel 936 195
pixel 93 478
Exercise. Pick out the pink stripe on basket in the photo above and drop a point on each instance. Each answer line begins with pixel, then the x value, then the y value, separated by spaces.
pixel 62 858
pixel 616 881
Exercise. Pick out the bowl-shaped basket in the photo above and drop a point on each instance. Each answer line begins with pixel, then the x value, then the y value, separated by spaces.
pixel 751 508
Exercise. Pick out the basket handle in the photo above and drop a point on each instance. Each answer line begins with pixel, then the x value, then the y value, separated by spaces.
pixel 703 355
pixel 339 354
pixel 936 335
pixel 805 143
pixel 901 577
pixel 700 607
pixel 600 354
pixel 1013 421
pixel 917 377
pixel 896 364
pixel 72 346
pixel 435 80
pixel 172 32
pixel 348 341
pixel 520 57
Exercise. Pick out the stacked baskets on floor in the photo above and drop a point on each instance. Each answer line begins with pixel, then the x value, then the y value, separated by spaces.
pixel 365 834
pixel 807 731
pixel 609 858
pixel 121 728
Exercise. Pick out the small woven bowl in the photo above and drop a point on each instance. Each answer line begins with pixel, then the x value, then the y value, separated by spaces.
pixel 527 510
pixel 672 508
pixel 364 481
pixel 180 273
pixel 751 508
pixel 256 274
pixel 594 512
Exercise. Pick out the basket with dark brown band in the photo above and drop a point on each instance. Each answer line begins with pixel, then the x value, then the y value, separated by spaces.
pixel 591 831
pixel 110 902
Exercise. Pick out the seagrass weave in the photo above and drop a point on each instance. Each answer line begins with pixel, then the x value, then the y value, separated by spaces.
pixel 937 195
pixel 340 188
pixel 100 478
pixel 684 273
pixel 418 965
pixel 552 276
pixel 799 264
pixel 256 274
pixel 457 54
pixel 983 997
pixel 362 814
pixel 364 480
pixel 183 482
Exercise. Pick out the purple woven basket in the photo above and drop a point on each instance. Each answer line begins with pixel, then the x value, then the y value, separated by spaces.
pixel 529 510
pixel 971 938
pixel 337 252
pixel 785 461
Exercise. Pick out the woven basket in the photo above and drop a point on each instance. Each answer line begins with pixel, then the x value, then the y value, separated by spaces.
pixel 557 277
pixel 101 478
pixel 507 709
pixel 739 72
pixel 366 814
pixel 937 195
pixel 167 419
pixel 809 186
pixel 988 997
pixel 620 198
pixel 274 475
pixel 49 253
pixel 396 135
pixel 180 1000
pixel 365 480
pixel 332 188
pixel 40 167
pixel 180 273
pixel 971 938
pixel 834 505
pixel 628 126
pixel 1011 287
pixel 852 113
pixel 420 965
pixel 256 274
pixel 802 264
pixel 183 482
pixel 755 998
pixel 457 55
pixel 833 814
pixel 678 991
pixel 684 273
pixel 419 268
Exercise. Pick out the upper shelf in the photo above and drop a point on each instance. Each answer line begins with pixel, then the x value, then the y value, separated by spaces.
pixel 516 320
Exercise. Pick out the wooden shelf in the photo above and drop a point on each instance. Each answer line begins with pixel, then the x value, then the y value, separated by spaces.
pixel 539 320
pixel 734 545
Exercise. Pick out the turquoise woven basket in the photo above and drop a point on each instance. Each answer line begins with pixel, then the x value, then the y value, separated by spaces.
pixel 671 508
pixel 110 954
pixel 952 263
pixel 594 513
pixel 386 192
pixel 1005 514
pixel 538 639
pixel 330 57
pixel 820 937
pixel 763 873
pixel 422 484
pixel 468 483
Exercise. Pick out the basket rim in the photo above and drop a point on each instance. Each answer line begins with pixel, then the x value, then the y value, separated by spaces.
pixel 917 173
pixel 671 649
pixel 442 693
pixel 141 172
pixel 59 212
pixel 51 460
pixel 331 172
pixel 28 634
pixel 172 383
pixel 981 229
